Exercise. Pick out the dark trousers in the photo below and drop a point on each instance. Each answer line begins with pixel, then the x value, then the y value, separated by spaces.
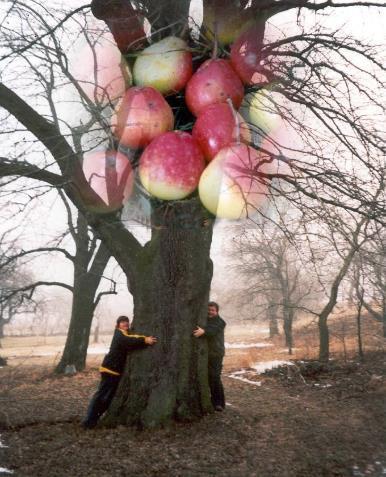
pixel 215 384
pixel 101 399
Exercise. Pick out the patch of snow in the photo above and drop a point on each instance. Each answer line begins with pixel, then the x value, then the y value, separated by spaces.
pixel 285 350
pixel 263 366
pixel 3 470
pixel 323 385
pixel 245 380
pixel 45 353
pixel 98 350
pixel 247 345
pixel 2 446
pixel 242 371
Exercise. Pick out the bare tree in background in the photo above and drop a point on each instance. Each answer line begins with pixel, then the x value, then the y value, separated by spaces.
pixel 170 276
pixel 89 262
pixel 271 266
pixel 369 278
pixel 13 302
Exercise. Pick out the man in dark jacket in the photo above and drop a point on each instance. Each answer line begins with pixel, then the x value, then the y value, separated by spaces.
pixel 112 367
pixel 214 333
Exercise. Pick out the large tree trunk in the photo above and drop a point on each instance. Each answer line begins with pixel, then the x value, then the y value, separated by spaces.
pixel 273 324
pixel 324 339
pixel 171 292
pixel 287 327
pixel 86 282
pixel 384 317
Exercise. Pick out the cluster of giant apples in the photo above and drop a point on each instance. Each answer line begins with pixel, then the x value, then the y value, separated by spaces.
pixel 216 157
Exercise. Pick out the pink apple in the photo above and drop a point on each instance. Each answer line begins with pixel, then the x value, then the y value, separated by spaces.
pixel 213 82
pixel 233 184
pixel 171 166
pixel 216 128
pixel 100 70
pixel 110 175
pixel 165 65
pixel 246 56
pixel 142 115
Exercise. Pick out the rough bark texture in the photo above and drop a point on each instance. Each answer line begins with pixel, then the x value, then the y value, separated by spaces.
pixel 86 282
pixel 324 339
pixel 171 291
pixel 273 325
pixel 287 327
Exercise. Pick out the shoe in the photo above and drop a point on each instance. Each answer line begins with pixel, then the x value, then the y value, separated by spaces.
pixel 218 408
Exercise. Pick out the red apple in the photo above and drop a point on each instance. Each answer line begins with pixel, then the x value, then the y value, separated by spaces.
pixel 165 65
pixel 171 166
pixel 142 116
pixel 125 22
pixel 110 175
pixel 216 128
pixel 246 56
pixel 233 184
pixel 213 82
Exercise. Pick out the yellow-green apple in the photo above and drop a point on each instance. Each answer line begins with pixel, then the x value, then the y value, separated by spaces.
pixel 227 20
pixel 214 82
pixel 101 70
pixel 142 115
pixel 234 184
pixel 261 110
pixel 246 57
pixel 171 165
pixel 216 128
pixel 165 65
pixel 110 175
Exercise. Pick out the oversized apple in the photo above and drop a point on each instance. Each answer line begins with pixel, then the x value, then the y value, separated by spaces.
pixel 218 126
pixel 142 115
pixel 227 20
pixel 246 57
pixel 101 70
pixel 213 82
pixel 165 65
pixel 171 166
pixel 110 175
pixel 261 110
pixel 124 21
pixel 234 184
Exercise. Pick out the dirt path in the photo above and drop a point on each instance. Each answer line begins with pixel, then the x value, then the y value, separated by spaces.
pixel 332 424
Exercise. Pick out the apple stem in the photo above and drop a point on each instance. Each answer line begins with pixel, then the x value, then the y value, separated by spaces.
pixel 215 45
pixel 237 122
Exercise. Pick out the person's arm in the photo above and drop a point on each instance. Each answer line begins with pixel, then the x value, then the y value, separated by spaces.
pixel 211 329
pixel 138 341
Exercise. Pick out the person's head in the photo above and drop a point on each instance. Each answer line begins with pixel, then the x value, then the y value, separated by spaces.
pixel 123 323
pixel 213 309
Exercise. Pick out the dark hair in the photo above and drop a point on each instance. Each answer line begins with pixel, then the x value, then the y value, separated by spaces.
pixel 213 303
pixel 121 319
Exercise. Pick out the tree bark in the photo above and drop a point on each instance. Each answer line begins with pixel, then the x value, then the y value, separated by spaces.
pixel 273 325
pixel 86 282
pixel 287 327
pixel 324 338
pixel 171 291
pixel 359 326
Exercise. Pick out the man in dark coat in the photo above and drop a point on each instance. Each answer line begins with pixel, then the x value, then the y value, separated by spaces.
pixel 112 367
pixel 214 333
